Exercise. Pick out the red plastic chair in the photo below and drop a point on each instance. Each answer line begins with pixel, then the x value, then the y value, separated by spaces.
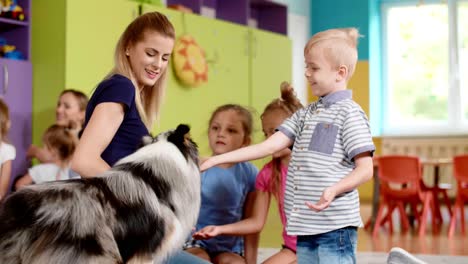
pixel 400 184
pixel 460 170
pixel 439 190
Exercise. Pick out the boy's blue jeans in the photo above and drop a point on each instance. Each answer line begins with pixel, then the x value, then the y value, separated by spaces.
pixel 334 247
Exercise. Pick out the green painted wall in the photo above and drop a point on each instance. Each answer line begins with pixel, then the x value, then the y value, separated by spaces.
pixel 48 61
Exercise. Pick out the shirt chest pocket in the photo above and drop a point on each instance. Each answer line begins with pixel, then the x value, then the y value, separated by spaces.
pixel 323 138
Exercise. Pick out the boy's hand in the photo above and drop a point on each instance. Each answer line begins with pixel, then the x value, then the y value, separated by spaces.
pixel 206 164
pixel 327 197
pixel 207 232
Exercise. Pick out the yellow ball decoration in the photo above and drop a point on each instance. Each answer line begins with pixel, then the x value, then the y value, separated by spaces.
pixel 189 62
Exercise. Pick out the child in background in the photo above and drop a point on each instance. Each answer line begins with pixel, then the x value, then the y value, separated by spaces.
pixel 7 151
pixel 271 181
pixel 69 112
pixel 226 190
pixel 332 154
pixel 60 142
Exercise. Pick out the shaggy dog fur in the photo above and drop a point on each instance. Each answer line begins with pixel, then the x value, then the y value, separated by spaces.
pixel 140 211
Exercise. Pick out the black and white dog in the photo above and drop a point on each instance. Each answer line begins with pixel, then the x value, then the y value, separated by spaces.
pixel 140 211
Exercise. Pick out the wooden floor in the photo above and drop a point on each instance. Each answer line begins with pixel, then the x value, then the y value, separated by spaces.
pixel 431 243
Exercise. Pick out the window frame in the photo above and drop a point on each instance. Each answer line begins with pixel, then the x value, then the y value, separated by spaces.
pixel 455 124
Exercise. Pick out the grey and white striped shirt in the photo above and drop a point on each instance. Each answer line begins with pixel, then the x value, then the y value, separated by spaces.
pixel 327 135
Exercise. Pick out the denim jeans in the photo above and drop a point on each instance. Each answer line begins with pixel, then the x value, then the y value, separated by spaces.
pixel 334 247
pixel 182 257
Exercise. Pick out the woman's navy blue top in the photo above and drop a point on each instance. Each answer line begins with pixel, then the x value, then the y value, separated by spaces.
pixel 119 89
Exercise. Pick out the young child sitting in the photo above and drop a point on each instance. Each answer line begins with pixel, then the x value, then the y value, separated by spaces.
pixel 61 144
pixel 7 151
pixel 226 190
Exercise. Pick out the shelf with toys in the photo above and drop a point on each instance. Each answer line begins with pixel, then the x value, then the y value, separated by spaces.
pixel 15 29
pixel 262 14
pixel 16 76
pixel 4 22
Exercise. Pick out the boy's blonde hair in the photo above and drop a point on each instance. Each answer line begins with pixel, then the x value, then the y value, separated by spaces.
pixel 149 102
pixel 339 46
pixel 4 120
pixel 61 139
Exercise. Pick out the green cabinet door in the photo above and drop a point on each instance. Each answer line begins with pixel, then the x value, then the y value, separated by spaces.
pixel 72 48
pixel 270 64
pixel 92 31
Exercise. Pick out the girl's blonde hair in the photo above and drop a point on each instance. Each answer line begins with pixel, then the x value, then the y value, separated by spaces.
pixel 289 104
pixel 244 113
pixel 148 101
pixel 339 46
pixel 61 139
pixel 4 120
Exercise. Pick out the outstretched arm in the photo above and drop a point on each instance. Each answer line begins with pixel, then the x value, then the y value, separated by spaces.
pixel 275 143
pixel 253 223
pixel 41 154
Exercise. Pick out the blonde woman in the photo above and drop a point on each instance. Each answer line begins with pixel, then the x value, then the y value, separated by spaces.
pixel 125 104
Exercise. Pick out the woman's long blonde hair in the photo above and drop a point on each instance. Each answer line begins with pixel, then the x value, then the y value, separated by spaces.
pixel 148 101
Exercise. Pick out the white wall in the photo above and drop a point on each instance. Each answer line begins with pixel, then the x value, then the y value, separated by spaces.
pixel 299 33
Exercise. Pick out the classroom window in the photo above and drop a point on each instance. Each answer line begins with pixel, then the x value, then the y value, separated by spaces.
pixel 425 63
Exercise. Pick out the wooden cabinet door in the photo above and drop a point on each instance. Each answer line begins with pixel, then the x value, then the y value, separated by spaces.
pixel 15 88
pixel 92 31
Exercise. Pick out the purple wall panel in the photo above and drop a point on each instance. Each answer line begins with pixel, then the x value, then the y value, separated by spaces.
pixel 192 4
pixel 273 18
pixel 270 15
pixel 18 96
pixel 234 11
pixel 211 3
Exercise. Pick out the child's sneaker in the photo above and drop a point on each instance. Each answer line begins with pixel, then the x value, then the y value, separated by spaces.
pixel 400 256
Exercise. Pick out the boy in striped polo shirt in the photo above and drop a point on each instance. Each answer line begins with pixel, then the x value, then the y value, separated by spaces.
pixel 332 154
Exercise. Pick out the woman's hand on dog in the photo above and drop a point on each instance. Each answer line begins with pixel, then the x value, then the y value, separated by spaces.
pixel 207 232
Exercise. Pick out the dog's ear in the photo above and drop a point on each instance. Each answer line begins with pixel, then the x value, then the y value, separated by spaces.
pixel 179 135
pixel 182 129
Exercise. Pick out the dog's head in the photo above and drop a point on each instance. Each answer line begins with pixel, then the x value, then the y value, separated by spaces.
pixel 180 137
